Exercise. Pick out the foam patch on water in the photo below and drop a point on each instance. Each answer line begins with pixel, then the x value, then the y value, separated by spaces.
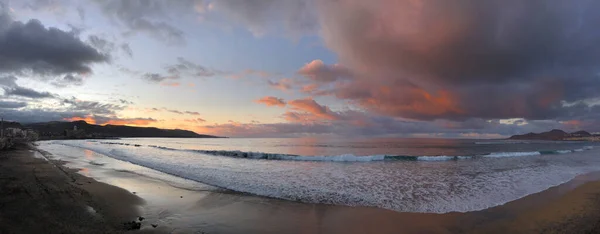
pixel 512 154
pixel 409 186
pixel 442 158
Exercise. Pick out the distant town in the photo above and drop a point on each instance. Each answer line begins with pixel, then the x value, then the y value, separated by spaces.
pixel 14 132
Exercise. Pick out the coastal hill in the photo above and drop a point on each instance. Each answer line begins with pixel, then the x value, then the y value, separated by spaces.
pixel 553 135
pixel 81 129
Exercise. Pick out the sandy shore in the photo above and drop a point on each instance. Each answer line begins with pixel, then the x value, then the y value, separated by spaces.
pixel 36 196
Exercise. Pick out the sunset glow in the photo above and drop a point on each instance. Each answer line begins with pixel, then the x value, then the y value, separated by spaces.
pixel 303 67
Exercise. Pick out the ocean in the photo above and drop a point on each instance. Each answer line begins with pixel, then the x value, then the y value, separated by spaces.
pixel 404 175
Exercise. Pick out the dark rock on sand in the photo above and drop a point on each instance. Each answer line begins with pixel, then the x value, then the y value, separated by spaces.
pixel 154 225
pixel 133 225
pixel 141 218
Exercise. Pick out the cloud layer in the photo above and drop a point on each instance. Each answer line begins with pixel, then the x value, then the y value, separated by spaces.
pixel 462 59
pixel 32 48
pixel 404 67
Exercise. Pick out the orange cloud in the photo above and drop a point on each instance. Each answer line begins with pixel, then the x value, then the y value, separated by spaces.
pixel 310 106
pixel 171 84
pixel 196 120
pixel 135 122
pixel 309 111
pixel 318 71
pixel 271 101
pixel 113 121
pixel 419 102
pixel 309 88
pixel 87 119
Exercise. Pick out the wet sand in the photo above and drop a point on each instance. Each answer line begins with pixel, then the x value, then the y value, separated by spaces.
pixel 37 196
pixel 573 207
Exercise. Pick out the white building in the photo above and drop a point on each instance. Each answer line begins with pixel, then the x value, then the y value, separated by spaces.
pixel 14 132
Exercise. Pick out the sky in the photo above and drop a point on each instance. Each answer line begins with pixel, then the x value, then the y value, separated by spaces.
pixel 298 68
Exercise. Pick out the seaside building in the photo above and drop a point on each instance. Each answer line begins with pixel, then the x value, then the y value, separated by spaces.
pixel 74 133
pixel 14 132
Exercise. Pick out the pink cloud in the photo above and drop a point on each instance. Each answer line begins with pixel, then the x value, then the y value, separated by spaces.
pixel 271 101
pixel 284 84
pixel 318 71
pixel 308 110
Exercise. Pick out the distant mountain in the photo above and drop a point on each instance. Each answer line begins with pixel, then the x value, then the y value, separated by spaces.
pixel 554 135
pixel 7 124
pixel 85 130
pixel 581 134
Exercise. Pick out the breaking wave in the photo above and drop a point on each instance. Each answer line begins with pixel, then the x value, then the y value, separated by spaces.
pixel 352 157
pixel 436 187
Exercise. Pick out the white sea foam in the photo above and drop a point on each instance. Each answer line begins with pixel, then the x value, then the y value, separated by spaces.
pixel 442 158
pixel 409 186
pixel 512 154
pixel 506 142
pixel 37 154
pixel 338 158
pixel 355 158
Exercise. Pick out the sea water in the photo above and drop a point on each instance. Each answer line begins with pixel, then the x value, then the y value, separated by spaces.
pixel 405 175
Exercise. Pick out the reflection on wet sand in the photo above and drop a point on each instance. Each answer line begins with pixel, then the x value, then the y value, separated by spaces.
pixel 89 155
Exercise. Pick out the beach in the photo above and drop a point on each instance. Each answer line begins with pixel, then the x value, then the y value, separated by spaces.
pixel 39 196
pixel 46 196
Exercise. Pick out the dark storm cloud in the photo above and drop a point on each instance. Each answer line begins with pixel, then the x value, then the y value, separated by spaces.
pixel 362 124
pixel 81 13
pixel 127 49
pixel 31 47
pixel 101 43
pixel 70 109
pixel 177 111
pixel 148 16
pixel 463 59
pixel 11 88
pixel 26 92
pixel 8 81
pixel 110 46
pixel 92 107
pixel 183 68
pixel 125 102
pixel 12 105
pixel 68 80
pixel 38 115
pixel 295 16
pixel 156 78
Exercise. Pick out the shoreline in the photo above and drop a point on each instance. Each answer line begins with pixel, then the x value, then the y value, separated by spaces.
pixel 572 207
pixel 42 196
